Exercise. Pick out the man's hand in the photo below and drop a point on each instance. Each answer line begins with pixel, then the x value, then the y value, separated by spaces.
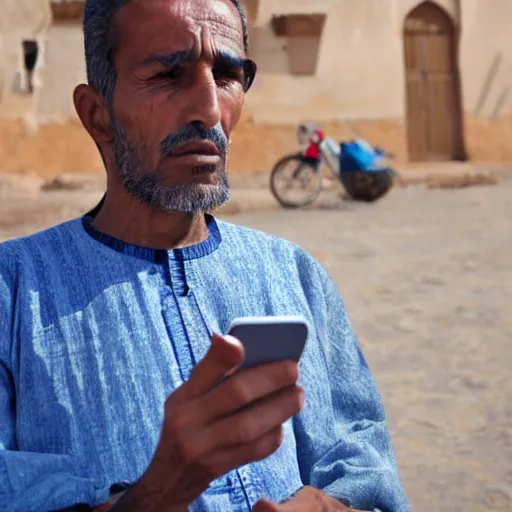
pixel 213 425
pixel 307 499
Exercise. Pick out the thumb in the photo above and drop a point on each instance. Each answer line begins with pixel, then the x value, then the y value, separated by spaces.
pixel 225 355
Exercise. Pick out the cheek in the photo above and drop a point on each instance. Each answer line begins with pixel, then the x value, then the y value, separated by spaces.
pixel 143 124
pixel 231 104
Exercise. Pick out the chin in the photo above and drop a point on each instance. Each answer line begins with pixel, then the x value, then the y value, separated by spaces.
pixel 209 175
pixel 194 197
pixel 205 181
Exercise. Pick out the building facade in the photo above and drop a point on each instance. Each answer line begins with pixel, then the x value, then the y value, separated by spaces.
pixel 428 81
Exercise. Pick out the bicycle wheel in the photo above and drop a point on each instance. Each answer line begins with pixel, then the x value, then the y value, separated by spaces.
pixel 296 181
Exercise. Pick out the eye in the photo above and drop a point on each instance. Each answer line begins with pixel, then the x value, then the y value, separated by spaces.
pixel 227 74
pixel 170 74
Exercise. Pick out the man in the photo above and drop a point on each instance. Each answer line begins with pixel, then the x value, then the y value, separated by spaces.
pixel 110 371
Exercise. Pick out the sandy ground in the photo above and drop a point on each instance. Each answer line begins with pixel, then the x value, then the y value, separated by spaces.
pixel 427 278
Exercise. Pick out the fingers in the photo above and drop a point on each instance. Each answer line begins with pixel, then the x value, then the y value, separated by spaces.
pixel 266 506
pixel 239 433
pixel 211 427
pixel 224 460
pixel 248 425
pixel 246 387
pixel 307 498
pixel 225 355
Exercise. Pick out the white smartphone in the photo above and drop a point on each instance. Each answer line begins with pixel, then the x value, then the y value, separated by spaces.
pixel 270 339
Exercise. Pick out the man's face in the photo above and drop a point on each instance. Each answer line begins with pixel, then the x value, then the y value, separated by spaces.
pixel 179 93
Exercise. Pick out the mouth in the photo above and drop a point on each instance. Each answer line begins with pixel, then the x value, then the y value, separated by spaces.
pixel 197 148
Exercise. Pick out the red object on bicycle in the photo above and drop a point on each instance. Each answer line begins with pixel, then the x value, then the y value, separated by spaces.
pixel 313 150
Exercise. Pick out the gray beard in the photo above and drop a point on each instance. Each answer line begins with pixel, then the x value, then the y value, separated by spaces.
pixel 146 187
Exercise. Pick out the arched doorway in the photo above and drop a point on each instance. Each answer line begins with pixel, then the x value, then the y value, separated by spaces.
pixel 434 114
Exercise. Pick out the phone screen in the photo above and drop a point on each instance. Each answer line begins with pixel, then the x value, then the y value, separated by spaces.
pixel 270 342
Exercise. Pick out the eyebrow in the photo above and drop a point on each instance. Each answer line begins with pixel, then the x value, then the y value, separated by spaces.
pixel 230 59
pixel 168 60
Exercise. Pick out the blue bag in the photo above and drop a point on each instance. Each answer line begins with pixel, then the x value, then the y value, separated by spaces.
pixel 357 156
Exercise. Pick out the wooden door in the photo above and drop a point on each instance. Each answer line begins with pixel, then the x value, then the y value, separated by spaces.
pixel 434 121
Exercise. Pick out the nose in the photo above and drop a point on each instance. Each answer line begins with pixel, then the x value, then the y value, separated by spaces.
pixel 203 102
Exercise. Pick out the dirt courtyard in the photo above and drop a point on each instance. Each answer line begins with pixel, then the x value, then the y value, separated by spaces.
pixel 427 279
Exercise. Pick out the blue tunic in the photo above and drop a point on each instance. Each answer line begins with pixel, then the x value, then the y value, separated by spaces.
pixel 96 333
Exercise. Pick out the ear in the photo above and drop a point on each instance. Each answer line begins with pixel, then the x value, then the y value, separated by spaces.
pixel 93 113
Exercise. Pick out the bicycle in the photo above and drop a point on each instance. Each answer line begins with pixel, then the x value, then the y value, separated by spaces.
pixel 302 172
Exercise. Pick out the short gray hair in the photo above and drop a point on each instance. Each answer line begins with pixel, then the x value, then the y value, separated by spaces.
pixel 100 42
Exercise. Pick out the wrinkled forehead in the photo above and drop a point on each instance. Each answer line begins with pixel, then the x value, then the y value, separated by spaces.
pixel 146 27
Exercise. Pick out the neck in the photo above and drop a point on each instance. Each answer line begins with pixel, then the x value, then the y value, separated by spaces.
pixel 133 222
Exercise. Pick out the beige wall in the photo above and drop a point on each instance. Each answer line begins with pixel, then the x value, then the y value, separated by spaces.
pixel 365 39
pixel 15 102
pixel 358 88
pixel 64 69
pixel 19 20
pixel 360 80
pixel 361 66
pixel 486 62
pixel 27 16
pixel 486 57
pixel 359 73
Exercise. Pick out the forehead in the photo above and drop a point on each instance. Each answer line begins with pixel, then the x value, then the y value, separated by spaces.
pixel 145 27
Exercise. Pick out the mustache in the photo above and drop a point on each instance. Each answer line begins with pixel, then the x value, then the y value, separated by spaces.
pixel 194 132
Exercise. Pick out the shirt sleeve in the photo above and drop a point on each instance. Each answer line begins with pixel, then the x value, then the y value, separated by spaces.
pixel 343 442
pixel 31 482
